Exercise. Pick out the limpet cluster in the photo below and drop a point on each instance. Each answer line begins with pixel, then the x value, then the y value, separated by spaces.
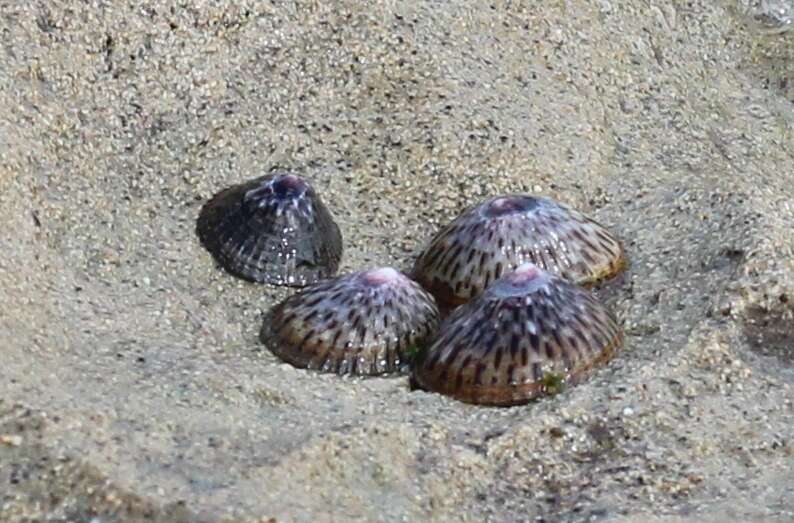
pixel 512 271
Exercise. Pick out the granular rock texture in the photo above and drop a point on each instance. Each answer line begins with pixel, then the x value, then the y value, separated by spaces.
pixel 133 381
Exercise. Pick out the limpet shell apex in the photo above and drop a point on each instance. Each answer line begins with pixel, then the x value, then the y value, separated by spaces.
pixel 528 332
pixel 274 229
pixel 364 323
pixel 503 232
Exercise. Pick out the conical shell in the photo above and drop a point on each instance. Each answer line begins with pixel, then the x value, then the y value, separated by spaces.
pixel 274 229
pixel 503 232
pixel 365 323
pixel 529 333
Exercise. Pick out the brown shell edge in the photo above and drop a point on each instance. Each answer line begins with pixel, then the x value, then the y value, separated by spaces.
pixel 518 395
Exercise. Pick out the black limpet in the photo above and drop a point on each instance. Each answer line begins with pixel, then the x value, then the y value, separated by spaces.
pixel 503 232
pixel 365 323
pixel 528 334
pixel 273 229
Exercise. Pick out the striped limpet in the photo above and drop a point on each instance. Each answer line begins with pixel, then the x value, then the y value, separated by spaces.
pixel 274 229
pixel 365 323
pixel 503 232
pixel 528 334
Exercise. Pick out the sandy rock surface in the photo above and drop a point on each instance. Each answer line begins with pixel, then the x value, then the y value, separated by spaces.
pixel 133 385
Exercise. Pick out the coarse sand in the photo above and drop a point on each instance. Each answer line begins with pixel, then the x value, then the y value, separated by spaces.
pixel 133 384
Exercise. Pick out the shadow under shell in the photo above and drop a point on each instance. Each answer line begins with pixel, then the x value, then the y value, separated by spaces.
pixel 503 232
pixel 527 335
pixel 274 229
pixel 366 323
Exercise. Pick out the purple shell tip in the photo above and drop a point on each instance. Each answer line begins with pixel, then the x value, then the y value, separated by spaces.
pixel 289 182
pixel 525 279
pixel 384 275
pixel 509 205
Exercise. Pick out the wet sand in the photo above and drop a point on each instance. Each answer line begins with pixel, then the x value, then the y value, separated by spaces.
pixel 134 386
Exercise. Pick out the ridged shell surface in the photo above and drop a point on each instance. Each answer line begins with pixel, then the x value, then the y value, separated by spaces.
pixel 365 323
pixel 274 229
pixel 503 232
pixel 528 332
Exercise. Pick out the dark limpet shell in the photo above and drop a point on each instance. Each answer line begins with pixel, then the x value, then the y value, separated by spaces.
pixel 527 335
pixel 365 323
pixel 274 229
pixel 503 232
